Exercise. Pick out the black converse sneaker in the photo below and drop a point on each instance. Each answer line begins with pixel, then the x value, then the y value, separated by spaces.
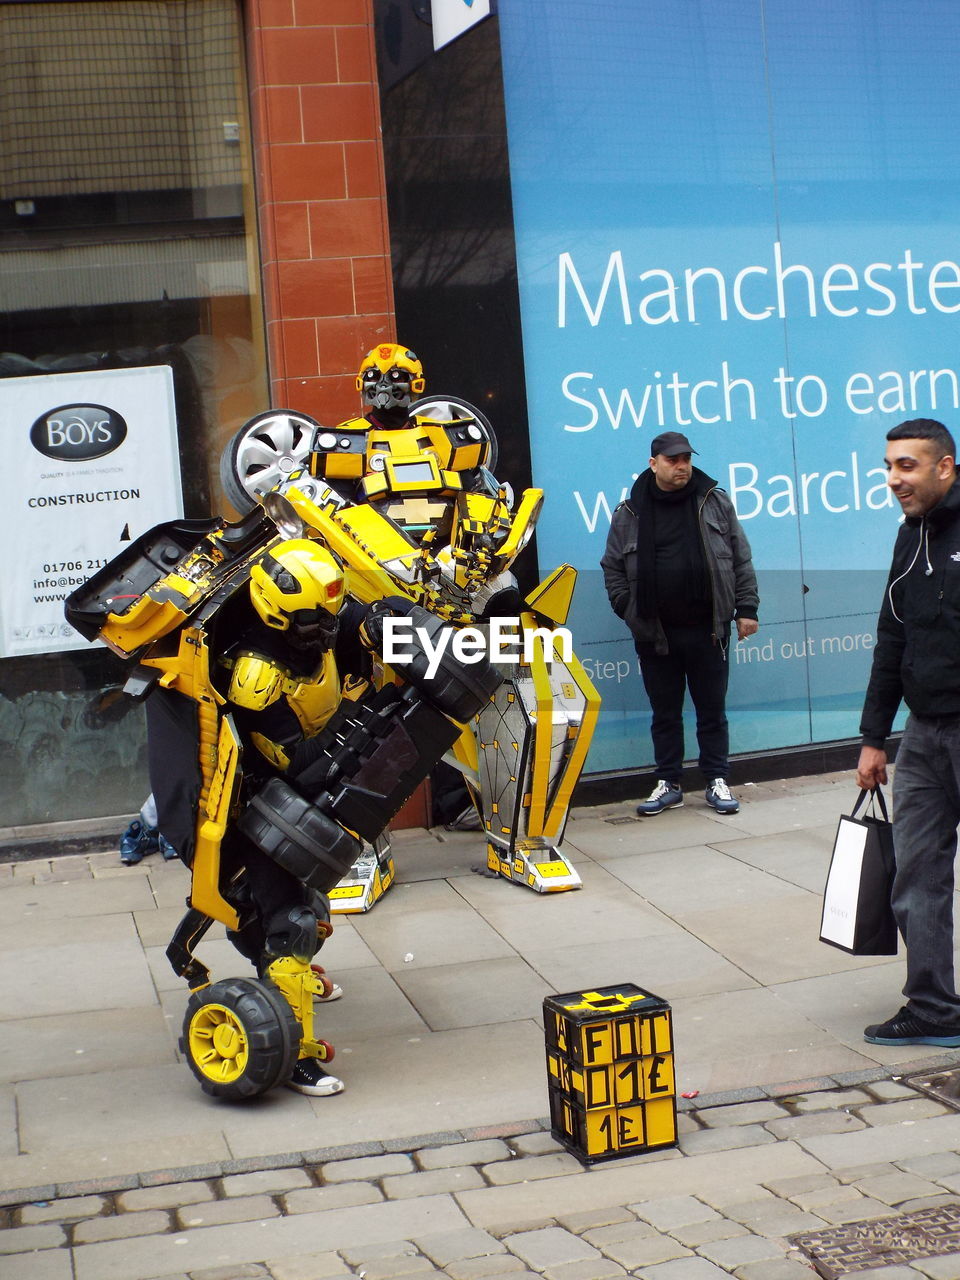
pixel 310 1076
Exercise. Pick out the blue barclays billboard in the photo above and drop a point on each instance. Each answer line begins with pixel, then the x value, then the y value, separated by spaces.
pixel 740 220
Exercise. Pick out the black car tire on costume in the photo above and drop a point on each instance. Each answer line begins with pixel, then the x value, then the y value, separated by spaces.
pixel 240 1038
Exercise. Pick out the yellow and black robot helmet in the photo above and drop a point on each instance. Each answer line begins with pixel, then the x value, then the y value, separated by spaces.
pixel 390 377
pixel 298 587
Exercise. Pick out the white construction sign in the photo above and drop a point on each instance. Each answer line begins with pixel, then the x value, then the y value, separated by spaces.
pixel 92 462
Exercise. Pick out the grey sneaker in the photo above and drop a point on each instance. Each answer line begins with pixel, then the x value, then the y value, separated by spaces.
pixel 719 796
pixel 665 795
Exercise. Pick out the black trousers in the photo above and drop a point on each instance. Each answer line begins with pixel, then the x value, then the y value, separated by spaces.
pixel 697 662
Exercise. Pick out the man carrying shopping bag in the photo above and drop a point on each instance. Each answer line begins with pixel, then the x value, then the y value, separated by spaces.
pixel 917 660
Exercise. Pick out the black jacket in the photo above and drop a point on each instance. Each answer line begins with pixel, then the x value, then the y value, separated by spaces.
pixel 733 583
pixel 917 657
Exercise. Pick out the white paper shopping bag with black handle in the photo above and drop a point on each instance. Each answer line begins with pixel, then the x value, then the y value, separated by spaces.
pixel 857 915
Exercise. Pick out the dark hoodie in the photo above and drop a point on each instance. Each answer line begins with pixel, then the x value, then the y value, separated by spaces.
pixel 917 658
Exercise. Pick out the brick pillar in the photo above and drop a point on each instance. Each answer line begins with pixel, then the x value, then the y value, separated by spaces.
pixel 321 209
pixel 320 195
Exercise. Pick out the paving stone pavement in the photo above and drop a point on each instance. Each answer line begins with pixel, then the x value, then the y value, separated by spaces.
pixel 675 1214
pixel 114 1167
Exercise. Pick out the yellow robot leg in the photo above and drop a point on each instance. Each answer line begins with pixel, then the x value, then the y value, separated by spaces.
pixel 300 984
pixel 367 880
pixel 532 741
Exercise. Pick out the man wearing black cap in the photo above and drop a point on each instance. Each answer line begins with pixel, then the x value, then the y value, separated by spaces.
pixel 678 571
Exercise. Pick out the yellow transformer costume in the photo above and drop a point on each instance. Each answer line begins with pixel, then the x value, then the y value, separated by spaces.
pixel 412 484
pixel 267 768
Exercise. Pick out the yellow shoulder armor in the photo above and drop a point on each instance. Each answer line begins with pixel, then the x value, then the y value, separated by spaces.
pixel 255 682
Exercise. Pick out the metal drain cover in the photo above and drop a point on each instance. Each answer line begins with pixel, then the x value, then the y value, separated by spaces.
pixel 858 1246
pixel 619 822
pixel 942 1085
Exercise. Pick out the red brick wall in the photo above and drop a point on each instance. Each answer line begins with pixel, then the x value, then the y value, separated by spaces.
pixel 321 209
pixel 324 239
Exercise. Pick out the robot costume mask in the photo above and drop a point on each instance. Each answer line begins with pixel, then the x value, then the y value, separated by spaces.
pixel 298 590
pixel 389 379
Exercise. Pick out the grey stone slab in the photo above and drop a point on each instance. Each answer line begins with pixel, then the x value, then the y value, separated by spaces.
pixel 623 1227
pixel 454 1246
pixel 369 1167
pixel 602 912
pixel 735 1135
pixel 446 1157
pixel 340 1195
pixel 828 1099
pixel 27 1239
pixel 132 1105
pixel 439 855
pixel 714 1031
pixel 215 1213
pixel 937 1166
pixel 798 857
pixel 47 902
pixel 908 1109
pixel 549 1248
pixel 888 1142
pixel 682 829
pixel 171 1196
pixel 674 1211
pixel 775 1269
pixel 645 1251
pixel 51 1264
pixel 248 1271
pixel 675 962
pixel 42 932
pixel 742 1113
pixel 634 1181
pixel 309 1266
pixel 843 1003
pixel 711 880
pixel 772 946
pixel 120 1226
pixel 101 1041
pixel 475 993
pixel 696 1234
pixel 896 1188
pixel 102 975
pixel 430 1182
pixel 890 1091
pixel 112 1161
pixel 943 1268
pixel 399 1268
pixel 485 1268
pixel 69 1209
pixel 816 1122
pixel 426 925
pixel 456 1079
pixel 265 1182
pixel 535 1144
pixel 740 1250
pixel 587 1269
pixel 8 1119
pixel 530 1168
pixel 283 1237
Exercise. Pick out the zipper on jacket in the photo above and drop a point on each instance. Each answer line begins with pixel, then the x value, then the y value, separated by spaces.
pixel 706 560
